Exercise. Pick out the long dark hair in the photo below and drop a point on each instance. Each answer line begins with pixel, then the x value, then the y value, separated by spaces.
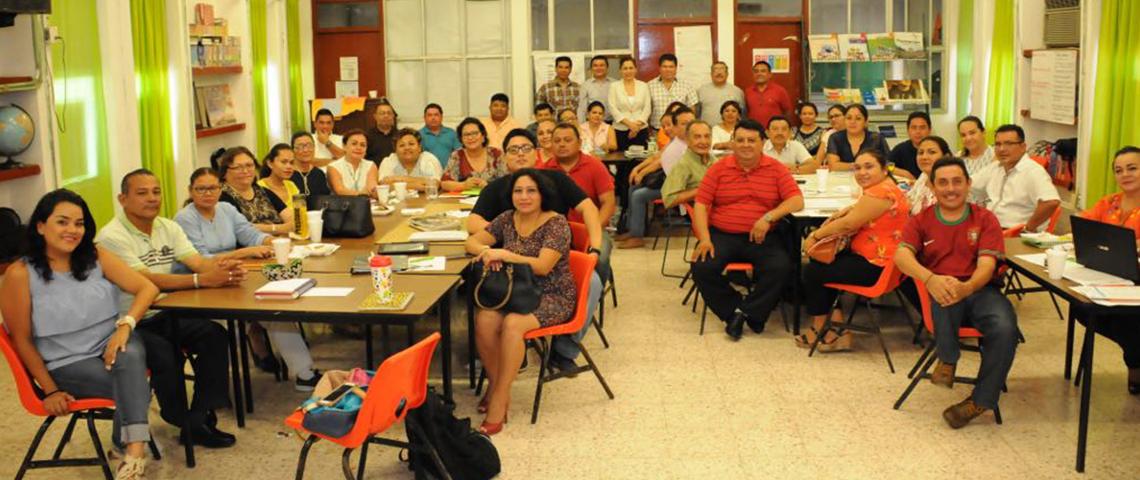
pixel 84 256
pixel 545 188
pixel 976 121
pixel 272 157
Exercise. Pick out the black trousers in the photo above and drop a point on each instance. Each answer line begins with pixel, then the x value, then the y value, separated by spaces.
pixel 1124 330
pixel 623 140
pixel 772 267
pixel 207 344
pixel 848 268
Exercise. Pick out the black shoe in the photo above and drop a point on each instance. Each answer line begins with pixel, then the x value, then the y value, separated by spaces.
pixel 560 364
pixel 208 437
pixel 735 326
pixel 755 325
pixel 307 385
pixel 267 364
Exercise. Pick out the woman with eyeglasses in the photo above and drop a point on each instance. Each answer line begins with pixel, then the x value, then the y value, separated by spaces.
pixel 237 169
pixel 309 179
pixel 353 175
pixel 218 230
pixel 476 164
pixel 837 122
pixel 809 133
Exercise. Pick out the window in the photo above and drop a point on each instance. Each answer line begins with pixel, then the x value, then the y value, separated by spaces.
pixel 356 14
pixel 769 8
pixel 675 9
pixel 876 16
pixel 451 52
pixel 568 26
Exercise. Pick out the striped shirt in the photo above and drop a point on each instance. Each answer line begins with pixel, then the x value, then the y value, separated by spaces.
pixel 662 96
pixel 155 253
pixel 737 198
pixel 559 96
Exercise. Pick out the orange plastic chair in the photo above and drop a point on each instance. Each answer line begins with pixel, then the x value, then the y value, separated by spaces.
pixel 580 242
pixel 921 368
pixel 400 384
pixel 581 266
pixel 90 409
pixel 579 237
pixel 888 282
pixel 1016 230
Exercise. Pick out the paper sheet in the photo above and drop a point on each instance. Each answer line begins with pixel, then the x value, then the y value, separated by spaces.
pixel 427 264
pixel 328 292
pixel 349 69
pixel 1076 272
pixel 693 46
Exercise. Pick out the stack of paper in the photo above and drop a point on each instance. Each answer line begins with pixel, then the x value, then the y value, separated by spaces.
pixel 284 289
pixel 440 236
pixel 1111 295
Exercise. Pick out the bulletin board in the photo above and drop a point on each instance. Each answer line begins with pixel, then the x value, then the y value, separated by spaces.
pixel 1053 85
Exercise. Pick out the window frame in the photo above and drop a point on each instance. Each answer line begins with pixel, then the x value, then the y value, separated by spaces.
pixel 550 35
pixel 463 57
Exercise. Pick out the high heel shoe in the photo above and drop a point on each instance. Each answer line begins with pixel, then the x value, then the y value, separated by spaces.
pixel 489 429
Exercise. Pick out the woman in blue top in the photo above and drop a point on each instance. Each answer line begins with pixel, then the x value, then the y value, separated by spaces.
pixel 843 147
pixel 218 229
pixel 61 307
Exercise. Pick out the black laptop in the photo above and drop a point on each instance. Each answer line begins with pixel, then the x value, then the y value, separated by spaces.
pixel 1106 248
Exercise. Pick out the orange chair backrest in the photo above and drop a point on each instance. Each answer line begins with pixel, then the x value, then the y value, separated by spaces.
pixel 689 212
pixel 924 302
pixel 401 376
pixel 581 267
pixel 579 237
pixel 24 386
pixel 1053 219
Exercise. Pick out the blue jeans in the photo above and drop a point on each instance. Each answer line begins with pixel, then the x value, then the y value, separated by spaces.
pixel 126 384
pixel 991 313
pixel 640 197
pixel 566 345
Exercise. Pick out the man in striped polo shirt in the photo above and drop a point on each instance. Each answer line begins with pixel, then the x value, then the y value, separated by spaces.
pixel 738 205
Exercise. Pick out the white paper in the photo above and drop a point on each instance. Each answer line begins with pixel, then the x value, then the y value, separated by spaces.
pixel 439 236
pixel 427 264
pixel 349 69
pixel 469 201
pixel 328 292
pixel 693 47
pixel 1076 272
pixel 347 89
pixel 779 58
pixel 1053 86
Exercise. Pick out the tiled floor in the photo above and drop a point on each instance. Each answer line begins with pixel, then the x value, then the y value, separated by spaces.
pixel 692 406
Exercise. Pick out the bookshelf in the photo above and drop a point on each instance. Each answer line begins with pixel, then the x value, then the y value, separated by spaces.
pixel 216 56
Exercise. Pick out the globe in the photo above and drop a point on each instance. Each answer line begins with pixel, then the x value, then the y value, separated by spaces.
pixel 16 130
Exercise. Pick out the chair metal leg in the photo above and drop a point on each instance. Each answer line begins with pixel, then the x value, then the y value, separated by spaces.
pixel 479 384
pixel 344 464
pixel 34 446
pixel 925 353
pixel 1056 306
pixel 704 312
pixel 542 368
pixel 929 358
pixel 597 373
pixel 613 287
pixel 154 451
pixel 363 459
pixel 601 334
pixel 66 438
pixel 879 334
pixel 305 456
pixel 997 414
pixel 98 445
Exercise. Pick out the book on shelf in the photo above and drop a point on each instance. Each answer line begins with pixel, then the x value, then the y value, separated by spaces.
pixel 843 95
pixel 905 92
pixel 199 110
pixel 824 48
pixel 881 46
pixel 908 45
pixel 399 301
pixel 218 105
pixel 853 47
pixel 203 14
pixel 284 289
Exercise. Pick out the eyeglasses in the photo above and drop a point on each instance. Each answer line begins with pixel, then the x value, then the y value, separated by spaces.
pixel 472 134
pixel 520 149
pixel 243 167
pixel 207 190
pixel 304 146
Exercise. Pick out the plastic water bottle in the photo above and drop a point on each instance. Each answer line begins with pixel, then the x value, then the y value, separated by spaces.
pixel 381 268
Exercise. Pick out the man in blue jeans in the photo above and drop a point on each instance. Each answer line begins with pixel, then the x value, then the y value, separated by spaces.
pixel 953 248
pixel 519 149
pixel 643 190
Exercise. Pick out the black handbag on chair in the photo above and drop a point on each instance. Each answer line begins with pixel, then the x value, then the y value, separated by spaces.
pixel 512 288
pixel 344 216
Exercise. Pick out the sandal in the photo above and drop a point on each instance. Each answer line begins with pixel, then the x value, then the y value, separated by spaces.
pixel 804 341
pixel 840 343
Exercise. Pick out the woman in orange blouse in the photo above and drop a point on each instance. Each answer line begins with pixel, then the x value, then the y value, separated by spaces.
pixel 1122 209
pixel 875 221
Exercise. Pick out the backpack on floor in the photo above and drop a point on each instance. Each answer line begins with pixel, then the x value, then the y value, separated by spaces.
pixel 465 453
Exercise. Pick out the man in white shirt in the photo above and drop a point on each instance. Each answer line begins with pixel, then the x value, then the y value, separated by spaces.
pixel 712 95
pixel 1019 191
pixel 667 88
pixel 329 146
pixel 789 152
pixel 596 88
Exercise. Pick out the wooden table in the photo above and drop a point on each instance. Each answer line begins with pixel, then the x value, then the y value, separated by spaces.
pixel 1063 289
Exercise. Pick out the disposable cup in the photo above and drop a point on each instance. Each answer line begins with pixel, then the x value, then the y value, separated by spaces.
pixel 316 228
pixel 281 247
pixel 1055 263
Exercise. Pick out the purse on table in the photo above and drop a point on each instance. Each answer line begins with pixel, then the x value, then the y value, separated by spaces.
pixel 343 216
pixel 512 288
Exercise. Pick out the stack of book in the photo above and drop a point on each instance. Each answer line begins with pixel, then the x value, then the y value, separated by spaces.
pixel 284 289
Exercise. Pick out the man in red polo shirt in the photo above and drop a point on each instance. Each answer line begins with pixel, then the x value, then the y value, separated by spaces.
pixel 739 202
pixel 953 247
pixel 766 99
pixel 591 176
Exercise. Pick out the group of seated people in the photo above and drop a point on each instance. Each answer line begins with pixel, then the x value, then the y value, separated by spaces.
pixel 78 302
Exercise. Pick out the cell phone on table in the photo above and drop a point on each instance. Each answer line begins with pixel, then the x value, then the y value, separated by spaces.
pixel 334 396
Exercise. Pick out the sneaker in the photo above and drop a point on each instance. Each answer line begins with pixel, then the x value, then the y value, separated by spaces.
pixel 943 374
pixel 560 364
pixel 961 413
pixel 131 468
pixel 309 384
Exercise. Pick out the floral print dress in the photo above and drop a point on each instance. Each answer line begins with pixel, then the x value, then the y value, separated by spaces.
pixel 559 294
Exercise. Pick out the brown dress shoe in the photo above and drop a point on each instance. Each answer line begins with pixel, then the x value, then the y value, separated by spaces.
pixel 632 242
pixel 961 413
pixel 943 374
pixel 622 237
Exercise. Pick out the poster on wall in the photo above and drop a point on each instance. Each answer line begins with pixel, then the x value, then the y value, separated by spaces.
pixel 779 58
pixel 693 46
pixel 347 89
pixel 544 68
pixel 1053 86
pixel 349 69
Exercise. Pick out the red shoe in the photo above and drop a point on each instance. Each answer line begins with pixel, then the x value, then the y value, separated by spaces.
pixel 488 428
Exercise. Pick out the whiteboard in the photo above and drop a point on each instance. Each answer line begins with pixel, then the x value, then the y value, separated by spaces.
pixel 693 47
pixel 1053 86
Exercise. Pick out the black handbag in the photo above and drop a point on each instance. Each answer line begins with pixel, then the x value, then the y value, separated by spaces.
pixel 512 288
pixel 343 216
pixel 654 180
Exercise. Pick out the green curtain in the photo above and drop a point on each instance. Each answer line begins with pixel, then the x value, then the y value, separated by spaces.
pixel 148 39
pixel 257 44
pixel 1001 98
pixel 297 118
pixel 77 75
pixel 1116 97
pixel 965 61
